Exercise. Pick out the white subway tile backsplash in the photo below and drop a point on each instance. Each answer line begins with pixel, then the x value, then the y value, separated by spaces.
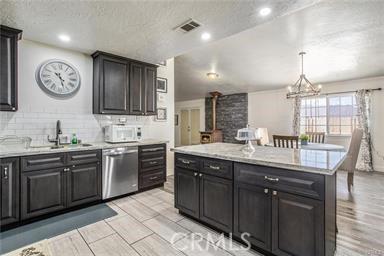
pixel 38 125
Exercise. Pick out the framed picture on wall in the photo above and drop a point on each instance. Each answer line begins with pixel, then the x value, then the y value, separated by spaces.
pixel 161 114
pixel 162 85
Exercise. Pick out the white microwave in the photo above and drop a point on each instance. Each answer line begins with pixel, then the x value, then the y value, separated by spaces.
pixel 116 133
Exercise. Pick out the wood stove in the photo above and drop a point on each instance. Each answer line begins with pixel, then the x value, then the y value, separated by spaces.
pixel 215 135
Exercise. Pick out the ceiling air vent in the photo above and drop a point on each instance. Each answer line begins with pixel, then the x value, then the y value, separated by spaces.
pixel 188 26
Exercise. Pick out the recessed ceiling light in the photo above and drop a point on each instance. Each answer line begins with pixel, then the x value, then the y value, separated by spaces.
pixel 212 75
pixel 64 38
pixel 265 11
pixel 205 36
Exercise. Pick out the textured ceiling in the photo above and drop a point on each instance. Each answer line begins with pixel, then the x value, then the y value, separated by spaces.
pixel 343 40
pixel 138 29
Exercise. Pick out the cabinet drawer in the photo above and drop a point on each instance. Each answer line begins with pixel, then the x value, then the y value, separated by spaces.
pixel 220 168
pixel 152 151
pixel 152 178
pixel 40 162
pixel 187 162
pixel 83 157
pixel 152 163
pixel 306 184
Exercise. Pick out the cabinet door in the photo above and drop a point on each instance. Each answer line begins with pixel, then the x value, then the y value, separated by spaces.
pixel 114 84
pixel 298 228
pixel 136 90
pixel 42 192
pixel 9 188
pixel 150 91
pixel 8 68
pixel 84 184
pixel 187 191
pixel 252 214
pixel 216 202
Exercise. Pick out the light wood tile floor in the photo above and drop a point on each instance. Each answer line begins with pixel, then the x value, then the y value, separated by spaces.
pixel 145 223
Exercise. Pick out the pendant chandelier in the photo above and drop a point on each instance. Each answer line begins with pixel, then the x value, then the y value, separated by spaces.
pixel 302 87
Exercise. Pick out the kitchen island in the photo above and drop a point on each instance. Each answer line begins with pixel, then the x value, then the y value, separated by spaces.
pixel 285 199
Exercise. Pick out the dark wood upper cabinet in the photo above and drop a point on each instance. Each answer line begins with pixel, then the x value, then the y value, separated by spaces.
pixel 110 85
pixel 8 67
pixel 150 91
pixel 123 86
pixel 136 90
pixel 9 189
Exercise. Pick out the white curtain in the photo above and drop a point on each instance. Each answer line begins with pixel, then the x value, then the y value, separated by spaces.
pixel 296 115
pixel 363 100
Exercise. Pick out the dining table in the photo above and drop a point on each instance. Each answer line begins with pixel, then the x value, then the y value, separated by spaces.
pixel 317 146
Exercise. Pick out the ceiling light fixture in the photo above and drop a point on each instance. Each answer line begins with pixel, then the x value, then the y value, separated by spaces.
pixel 64 38
pixel 265 11
pixel 212 75
pixel 302 87
pixel 205 36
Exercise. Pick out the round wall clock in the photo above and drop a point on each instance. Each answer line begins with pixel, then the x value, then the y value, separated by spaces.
pixel 58 78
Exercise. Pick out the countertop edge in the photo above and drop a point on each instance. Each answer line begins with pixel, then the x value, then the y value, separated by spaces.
pixel 95 146
pixel 306 169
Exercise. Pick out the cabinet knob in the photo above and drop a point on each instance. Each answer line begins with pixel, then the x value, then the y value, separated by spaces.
pixel 5 173
pixel 200 175
pixel 274 193
pixel 195 174
pixel 266 191
pixel 13 108
pixel 66 169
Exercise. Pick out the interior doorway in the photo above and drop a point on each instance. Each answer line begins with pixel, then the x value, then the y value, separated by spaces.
pixel 190 126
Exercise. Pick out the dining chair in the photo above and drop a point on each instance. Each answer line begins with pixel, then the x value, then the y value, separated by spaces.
pixel 316 137
pixel 350 161
pixel 282 141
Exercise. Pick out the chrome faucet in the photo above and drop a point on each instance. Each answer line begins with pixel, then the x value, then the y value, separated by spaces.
pixel 58 132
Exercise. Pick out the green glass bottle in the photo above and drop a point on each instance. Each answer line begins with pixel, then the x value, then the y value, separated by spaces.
pixel 74 139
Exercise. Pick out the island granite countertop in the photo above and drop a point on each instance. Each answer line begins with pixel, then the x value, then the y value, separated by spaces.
pixel 313 161
pixel 6 152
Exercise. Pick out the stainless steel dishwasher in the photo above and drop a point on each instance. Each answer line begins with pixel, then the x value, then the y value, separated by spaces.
pixel 120 171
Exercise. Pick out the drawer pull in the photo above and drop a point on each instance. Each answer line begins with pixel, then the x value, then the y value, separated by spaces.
pixel 266 191
pixel 66 169
pixel 195 174
pixel 185 161
pixel 152 149
pixel 200 175
pixel 5 173
pixel 214 167
pixel 153 162
pixel 154 178
pixel 271 179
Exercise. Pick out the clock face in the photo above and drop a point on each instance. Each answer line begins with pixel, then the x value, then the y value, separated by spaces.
pixel 58 78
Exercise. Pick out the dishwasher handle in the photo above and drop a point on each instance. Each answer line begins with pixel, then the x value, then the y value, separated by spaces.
pixel 117 153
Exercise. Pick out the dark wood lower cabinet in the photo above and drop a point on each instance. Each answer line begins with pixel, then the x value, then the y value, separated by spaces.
pixel 216 202
pixel 187 191
pixel 84 184
pixel 297 225
pixel 42 192
pixel 9 188
pixel 252 214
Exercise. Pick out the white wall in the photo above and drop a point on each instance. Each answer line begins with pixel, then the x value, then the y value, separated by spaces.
pixel 38 112
pixel 190 104
pixel 270 109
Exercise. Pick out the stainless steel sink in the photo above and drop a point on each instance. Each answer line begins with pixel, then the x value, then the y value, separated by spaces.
pixel 63 146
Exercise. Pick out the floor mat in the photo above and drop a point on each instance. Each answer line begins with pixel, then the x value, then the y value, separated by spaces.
pixel 19 237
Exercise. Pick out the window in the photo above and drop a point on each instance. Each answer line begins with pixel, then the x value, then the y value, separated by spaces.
pixel 334 115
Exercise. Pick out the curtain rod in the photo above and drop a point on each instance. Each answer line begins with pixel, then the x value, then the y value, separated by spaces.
pixel 332 93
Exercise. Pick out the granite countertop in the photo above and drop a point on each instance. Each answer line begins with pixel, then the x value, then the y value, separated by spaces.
pixel 313 161
pixel 7 152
